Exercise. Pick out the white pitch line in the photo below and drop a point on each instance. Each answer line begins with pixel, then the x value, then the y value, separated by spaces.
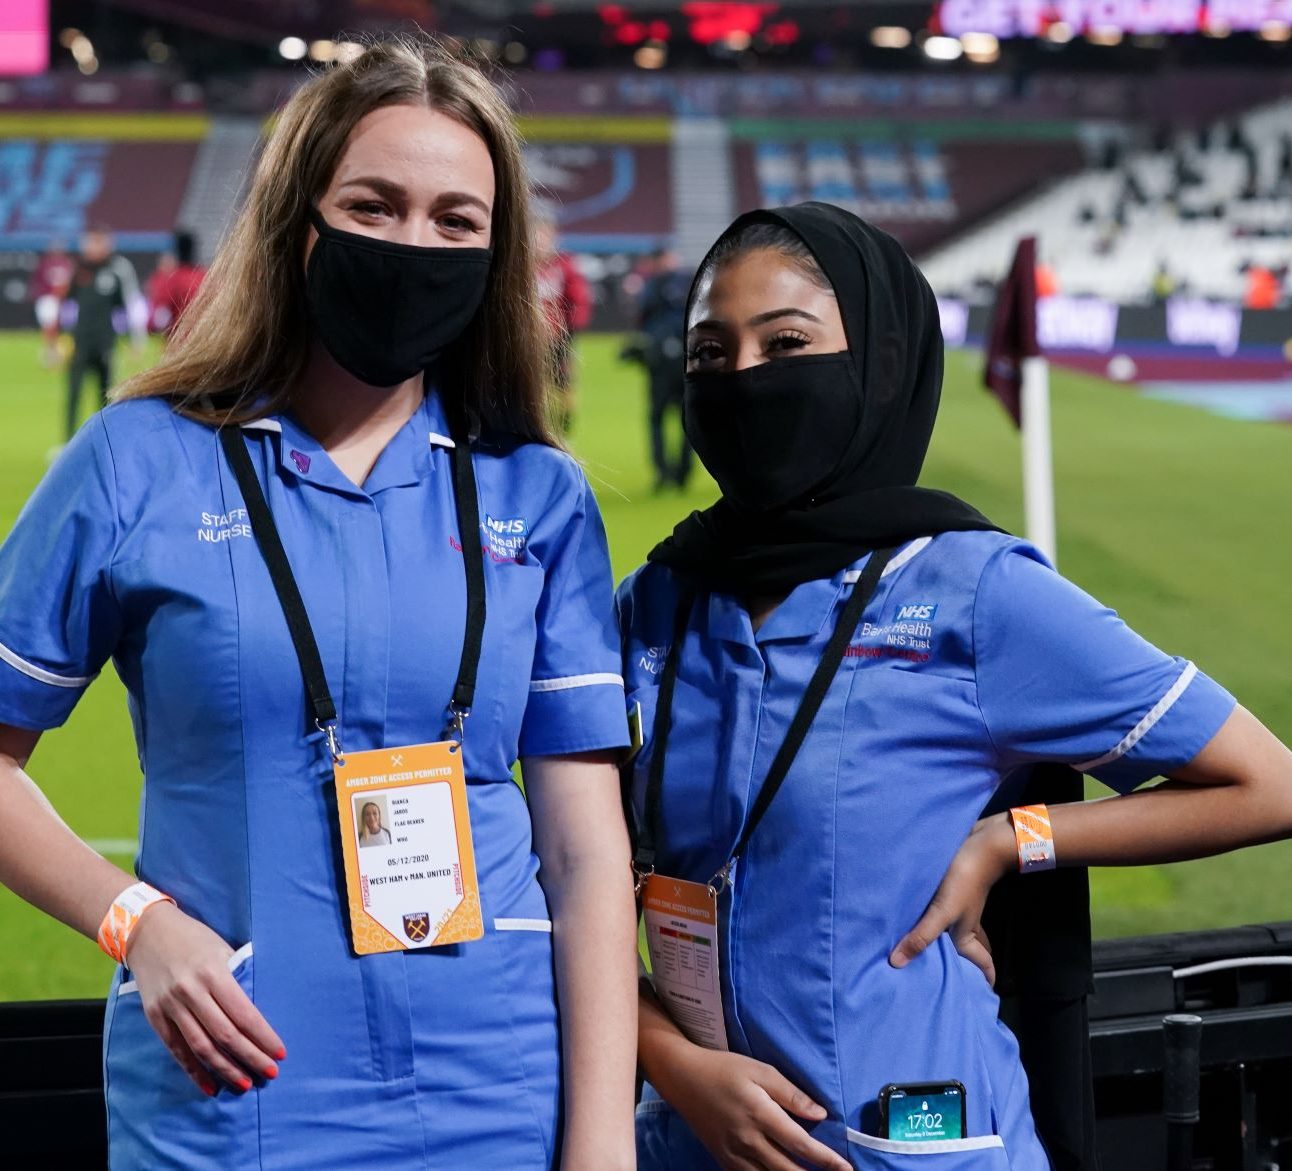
pixel 113 845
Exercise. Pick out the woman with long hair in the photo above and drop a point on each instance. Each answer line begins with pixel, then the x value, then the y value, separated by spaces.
pixel 332 527
pixel 837 671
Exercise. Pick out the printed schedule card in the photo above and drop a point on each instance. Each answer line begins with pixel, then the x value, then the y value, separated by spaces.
pixel 681 921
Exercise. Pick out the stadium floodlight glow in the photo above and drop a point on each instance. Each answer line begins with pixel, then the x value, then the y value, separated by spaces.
pixel 347 51
pixel 943 48
pixel 68 36
pixel 1216 28
pixel 514 53
pixel 322 50
pixel 82 49
pixel 889 36
pixel 738 41
pixel 1105 34
pixel 88 66
pixel 1060 32
pixel 1275 30
pixel 292 48
pixel 983 48
pixel 652 55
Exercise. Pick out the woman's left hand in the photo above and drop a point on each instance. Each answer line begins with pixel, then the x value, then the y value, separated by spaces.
pixel 986 856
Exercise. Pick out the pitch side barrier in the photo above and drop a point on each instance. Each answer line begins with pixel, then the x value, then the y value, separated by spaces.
pixel 1185 338
pixel 1239 982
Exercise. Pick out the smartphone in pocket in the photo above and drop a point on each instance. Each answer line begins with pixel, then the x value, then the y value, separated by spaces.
pixel 922 1111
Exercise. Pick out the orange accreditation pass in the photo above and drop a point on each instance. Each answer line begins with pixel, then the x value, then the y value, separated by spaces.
pixel 410 870
pixel 681 920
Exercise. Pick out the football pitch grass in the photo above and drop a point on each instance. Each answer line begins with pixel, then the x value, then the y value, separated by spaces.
pixel 1178 519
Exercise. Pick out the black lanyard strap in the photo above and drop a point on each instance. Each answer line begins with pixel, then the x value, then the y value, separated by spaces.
pixel 651 830
pixel 467 503
pixel 284 581
pixel 268 541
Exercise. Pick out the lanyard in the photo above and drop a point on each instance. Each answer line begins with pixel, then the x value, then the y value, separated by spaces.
pixel 289 594
pixel 650 831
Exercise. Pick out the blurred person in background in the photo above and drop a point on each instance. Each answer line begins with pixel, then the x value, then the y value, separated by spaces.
pixel 1164 282
pixel 566 304
pixel 362 371
pixel 661 321
pixel 50 281
pixel 103 285
pixel 1047 280
pixel 1263 289
pixel 173 285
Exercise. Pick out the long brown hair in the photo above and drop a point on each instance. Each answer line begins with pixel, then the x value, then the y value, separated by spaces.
pixel 244 340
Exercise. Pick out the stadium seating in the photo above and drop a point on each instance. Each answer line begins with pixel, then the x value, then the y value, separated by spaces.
pixel 1106 231
pixel 623 184
pixel 922 189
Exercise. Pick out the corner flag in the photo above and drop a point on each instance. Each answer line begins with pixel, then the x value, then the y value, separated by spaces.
pixel 1018 374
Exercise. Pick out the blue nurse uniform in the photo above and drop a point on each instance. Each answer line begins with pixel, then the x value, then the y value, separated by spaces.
pixel 136 547
pixel 973 659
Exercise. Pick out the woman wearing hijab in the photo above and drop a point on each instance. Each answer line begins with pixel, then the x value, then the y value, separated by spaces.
pixel 836 671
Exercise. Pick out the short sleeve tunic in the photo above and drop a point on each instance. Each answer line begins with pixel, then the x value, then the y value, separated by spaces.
pixel 972 659
pixel 136 547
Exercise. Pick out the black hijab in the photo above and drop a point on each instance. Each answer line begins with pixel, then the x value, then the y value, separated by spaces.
pixel 870 502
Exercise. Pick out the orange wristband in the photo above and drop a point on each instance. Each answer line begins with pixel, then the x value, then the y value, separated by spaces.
pixel 1034 838
pixel 124 915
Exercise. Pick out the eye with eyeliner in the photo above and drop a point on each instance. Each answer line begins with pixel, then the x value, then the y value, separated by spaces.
pixel 459 224
pixel 787 340
pixel 369 209
pixel 704 350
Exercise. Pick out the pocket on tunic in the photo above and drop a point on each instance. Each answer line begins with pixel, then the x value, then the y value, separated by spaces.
pixel 542 926
pixel 157 1118
pixel 664 1141
pixel 524 947
pixel 239 966
pixel 986 1153
pixel 648 698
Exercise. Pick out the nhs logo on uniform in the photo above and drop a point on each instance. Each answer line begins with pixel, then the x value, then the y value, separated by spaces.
pixel 919 612
pixel 515 527
pixel 506 537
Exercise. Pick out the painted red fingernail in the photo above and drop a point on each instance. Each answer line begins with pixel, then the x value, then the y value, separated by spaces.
pixel 208 1088
pixel 271 1071
pixel 281 1053
pixel 244 1084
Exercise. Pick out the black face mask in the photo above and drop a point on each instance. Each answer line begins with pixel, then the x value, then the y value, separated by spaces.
pixel 770 434
pixel 385 311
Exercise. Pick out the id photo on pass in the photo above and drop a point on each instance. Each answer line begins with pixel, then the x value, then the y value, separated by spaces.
pixel 372 820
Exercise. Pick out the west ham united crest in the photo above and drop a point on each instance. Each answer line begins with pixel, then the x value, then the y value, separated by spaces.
pixel 417 926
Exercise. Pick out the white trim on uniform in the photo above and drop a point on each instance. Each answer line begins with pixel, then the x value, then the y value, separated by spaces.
pixel 914 549
pixel 543 925
pixel 937 1146
pixel 1146 725
pixel 564 684
pixel 239 957
pixel 438 440
pixel 18 663
pixel 263 425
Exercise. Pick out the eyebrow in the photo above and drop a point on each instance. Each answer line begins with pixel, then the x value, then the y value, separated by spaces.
pixel 763 318
pixel 390 190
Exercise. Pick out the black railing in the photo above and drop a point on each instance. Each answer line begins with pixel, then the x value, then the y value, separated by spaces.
pixel 1239 982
